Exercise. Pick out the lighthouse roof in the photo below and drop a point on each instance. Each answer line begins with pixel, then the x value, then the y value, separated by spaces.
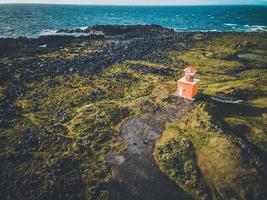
pixel 190 69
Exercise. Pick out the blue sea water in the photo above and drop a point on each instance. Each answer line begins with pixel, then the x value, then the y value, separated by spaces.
pixel 33 20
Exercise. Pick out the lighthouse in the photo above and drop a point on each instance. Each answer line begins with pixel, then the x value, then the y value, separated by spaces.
pixel 188 85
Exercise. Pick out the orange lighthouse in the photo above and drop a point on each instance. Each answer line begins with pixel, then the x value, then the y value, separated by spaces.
pixel 188 85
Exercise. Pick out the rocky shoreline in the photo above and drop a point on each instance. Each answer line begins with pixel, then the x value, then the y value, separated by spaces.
pixel 79 116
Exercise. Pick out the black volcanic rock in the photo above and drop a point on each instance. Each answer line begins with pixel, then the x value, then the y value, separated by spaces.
pixel 66 102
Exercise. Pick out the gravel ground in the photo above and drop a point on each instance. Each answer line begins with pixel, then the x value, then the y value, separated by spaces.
pixel 135 173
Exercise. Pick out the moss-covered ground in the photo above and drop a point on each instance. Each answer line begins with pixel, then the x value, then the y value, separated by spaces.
pixel 218 151
pixel 56 128
pixel 73 120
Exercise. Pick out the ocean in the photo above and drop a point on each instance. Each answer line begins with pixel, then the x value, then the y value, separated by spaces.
pixel 33 20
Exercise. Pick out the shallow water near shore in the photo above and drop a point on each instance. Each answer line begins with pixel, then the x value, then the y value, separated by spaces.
pixel 253 55
pixel 33 20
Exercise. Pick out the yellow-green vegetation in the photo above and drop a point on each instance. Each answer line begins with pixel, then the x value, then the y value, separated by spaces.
pixel 219 68
pixel 243 79
pixel 58 126
pixel 2 89
pixel 73 121
pixel 204 161
pixel 221 138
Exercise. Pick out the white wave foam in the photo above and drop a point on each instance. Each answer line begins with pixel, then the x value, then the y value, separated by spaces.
pixel 228 24
pixel 255 28
pixel 48 32
pixel 54 32
pixel 83 28
pixel 212 30
pixel 182 28
pixel 247 28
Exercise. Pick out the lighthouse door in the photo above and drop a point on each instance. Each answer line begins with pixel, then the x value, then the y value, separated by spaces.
pixel 180 91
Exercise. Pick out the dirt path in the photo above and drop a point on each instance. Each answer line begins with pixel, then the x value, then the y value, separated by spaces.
pixel 135 173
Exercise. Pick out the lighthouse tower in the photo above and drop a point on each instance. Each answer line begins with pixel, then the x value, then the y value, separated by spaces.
pixel 188 85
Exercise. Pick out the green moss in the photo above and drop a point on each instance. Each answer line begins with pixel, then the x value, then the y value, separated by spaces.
pixel 252 128
pixel 198 36
pixel 75 118
pixel 175 153
pixel 2 90
pixel 81 115
pixel 224 168
pixel 176 158
pixel 216 161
